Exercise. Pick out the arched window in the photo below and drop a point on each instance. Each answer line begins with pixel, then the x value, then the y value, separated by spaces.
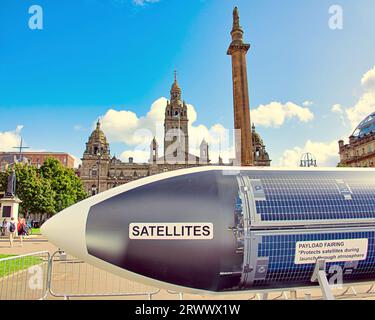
pixel 94 172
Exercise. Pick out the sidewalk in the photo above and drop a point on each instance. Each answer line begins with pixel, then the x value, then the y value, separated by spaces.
pixel 31 244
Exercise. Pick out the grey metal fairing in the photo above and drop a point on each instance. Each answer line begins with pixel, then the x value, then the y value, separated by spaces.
pixel 200 197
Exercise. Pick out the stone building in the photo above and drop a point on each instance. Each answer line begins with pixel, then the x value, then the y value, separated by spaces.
pixel 34 158
pixel 360 151
pixel 260 155
pixel 100 171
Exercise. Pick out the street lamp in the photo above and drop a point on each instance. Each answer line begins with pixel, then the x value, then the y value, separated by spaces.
pixel 98 163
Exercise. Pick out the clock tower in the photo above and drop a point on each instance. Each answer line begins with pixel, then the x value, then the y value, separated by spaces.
pixel 176 123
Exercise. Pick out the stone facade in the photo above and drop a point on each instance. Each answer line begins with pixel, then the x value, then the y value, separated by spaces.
pixel 260 154
pixel 100 171
pixel 34 158
pixel 360 151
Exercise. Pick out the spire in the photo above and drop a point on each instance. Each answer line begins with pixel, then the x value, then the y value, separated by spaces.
pixel 175 85
pixel 204 142
pixel 236 19
pixel 98 124
pixel 154 143
pixel 176 90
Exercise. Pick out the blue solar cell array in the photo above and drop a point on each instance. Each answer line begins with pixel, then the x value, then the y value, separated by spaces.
pixel 280 249
pixel 315 197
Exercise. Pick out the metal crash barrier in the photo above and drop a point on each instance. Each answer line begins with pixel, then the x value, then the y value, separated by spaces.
pixel 39 275
pixel 24 277
pixel 70 277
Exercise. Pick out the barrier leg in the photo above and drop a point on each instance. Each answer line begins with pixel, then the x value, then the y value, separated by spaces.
pixel 293 295
pixel 263 296
pixel 308 296
pixel 321 276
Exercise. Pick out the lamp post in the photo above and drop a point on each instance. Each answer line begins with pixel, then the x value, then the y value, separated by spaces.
pixel 308 160
pixel 115 178
pixel 98 162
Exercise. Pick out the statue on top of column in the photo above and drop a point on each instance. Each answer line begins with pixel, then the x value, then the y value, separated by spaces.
pixel 11 189
pixel 236 18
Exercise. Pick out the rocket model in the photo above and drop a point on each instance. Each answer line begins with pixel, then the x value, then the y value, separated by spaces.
pixel 226 229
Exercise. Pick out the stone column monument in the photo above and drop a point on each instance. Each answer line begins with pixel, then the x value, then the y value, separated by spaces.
pixel 238 50
pixel 9 205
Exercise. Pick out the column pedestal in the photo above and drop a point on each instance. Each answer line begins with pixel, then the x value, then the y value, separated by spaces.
pixel 9 207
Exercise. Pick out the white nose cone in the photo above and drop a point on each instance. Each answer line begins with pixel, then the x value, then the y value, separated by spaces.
pixel 66 230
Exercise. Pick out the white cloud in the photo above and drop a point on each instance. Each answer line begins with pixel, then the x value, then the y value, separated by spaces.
pixel 143 2
pixel 10 139
pixel 364 107
pixel 337 108
pixel 136 132
pixel 275 114
pixel 79 127
pixel 325 153
pixel 307 103
pixel 139 156
pixel 368 79
pixel 77 161
pixel 365 104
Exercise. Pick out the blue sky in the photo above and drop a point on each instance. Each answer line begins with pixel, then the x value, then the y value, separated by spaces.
pixel 93 56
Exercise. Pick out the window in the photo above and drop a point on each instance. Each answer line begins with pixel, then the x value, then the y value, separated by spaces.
pixel 94 190
pixel 94 172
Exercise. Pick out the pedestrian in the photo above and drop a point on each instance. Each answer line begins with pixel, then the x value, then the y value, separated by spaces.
pixel 24 227
pixel 4 228
pixel 21 229
pixel 12 231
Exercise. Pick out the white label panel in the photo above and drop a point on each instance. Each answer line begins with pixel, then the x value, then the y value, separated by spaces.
pixel 171 231
pixel 308 252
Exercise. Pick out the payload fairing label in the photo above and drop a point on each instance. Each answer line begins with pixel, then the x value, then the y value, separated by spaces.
pixel 331 251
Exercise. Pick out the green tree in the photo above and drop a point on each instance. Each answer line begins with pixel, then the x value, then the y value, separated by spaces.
pixel 35 192
pixel 47 190
pixel 342 165
pixel 3 181
pixel 66 186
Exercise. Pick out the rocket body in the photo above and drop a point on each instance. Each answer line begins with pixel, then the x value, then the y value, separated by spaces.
pixel 219 229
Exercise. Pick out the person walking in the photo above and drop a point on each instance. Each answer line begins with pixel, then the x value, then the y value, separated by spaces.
pixel 21 227
pixel 12 231
pixel 4 228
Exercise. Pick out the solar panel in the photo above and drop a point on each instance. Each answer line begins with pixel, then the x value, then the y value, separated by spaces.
pixel 276 252
pixel 309 197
